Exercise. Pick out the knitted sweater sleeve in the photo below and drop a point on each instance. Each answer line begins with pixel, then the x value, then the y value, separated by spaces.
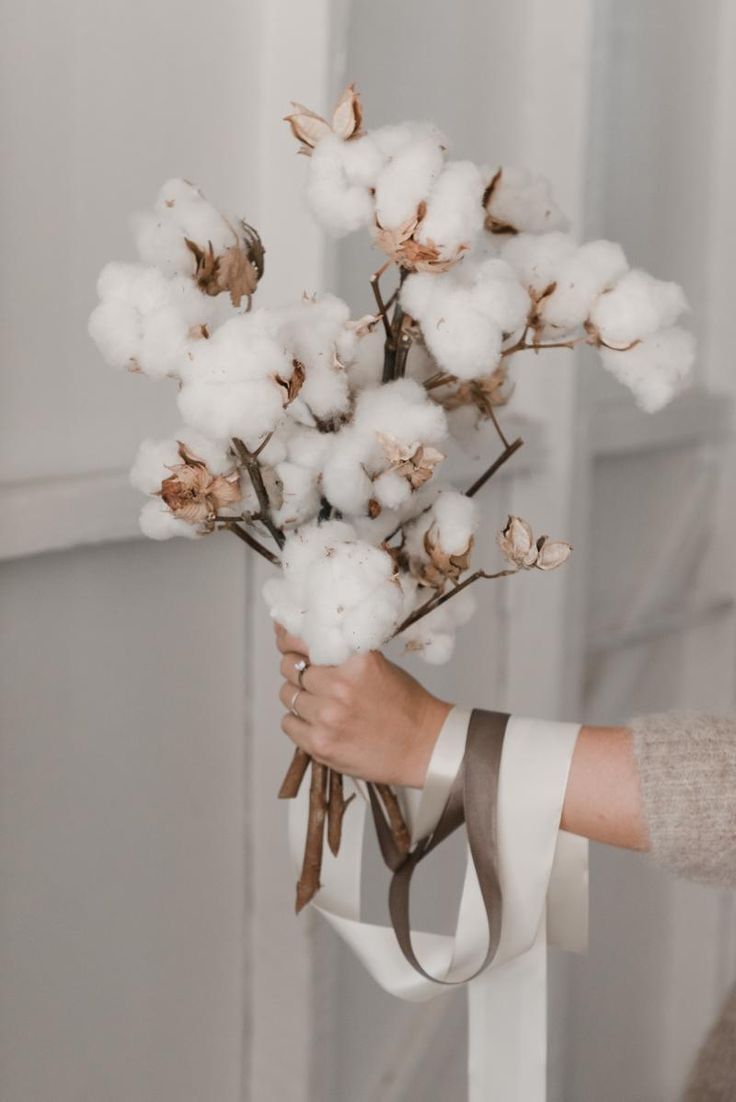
pixel 687 769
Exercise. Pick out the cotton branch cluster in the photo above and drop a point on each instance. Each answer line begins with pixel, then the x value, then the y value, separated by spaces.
pixel 319 439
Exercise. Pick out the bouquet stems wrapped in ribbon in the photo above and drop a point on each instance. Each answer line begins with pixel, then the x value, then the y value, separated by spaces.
pixel 318 439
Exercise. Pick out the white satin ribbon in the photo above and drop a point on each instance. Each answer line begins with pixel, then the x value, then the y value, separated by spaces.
pixel 543 873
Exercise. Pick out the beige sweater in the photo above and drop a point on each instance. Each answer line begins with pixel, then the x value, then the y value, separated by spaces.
pixel 687 765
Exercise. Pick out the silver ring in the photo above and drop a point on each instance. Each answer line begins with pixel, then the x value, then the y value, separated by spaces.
pixel 292 706
pixel 301 668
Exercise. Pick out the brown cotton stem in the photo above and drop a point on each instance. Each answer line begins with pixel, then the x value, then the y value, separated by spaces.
pixel 382 307
pixel 252 542
pixel 309 881
pixel 336 807
pixel 523 346
pixel 393 338
pixel 440 378
pixel 397 823
pixel 253 467
pixel 505 455
pixel 294 775
pixel 435 602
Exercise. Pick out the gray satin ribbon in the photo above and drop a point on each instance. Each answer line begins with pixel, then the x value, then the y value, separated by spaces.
pixel 473 800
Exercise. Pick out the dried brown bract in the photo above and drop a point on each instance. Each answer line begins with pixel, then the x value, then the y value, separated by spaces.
pixel 309 128
pixel 237 269
pixel 485 394
pixel 195 495
pixel 414 462
pixel 518 547
pixel 401 246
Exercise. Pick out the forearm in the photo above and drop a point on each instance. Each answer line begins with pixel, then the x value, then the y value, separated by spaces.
pixel 603 799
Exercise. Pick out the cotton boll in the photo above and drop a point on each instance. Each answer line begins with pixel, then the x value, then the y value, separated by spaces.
pixel 340 206
pixel 656 369
pixel 338 593
pixel 362 160
pixel 523 200
pixel 498 293
pixel 248 410
pixel 152 464
pixel 400 409
pixel 454 216
pixel 391 490
pixel 407 180
pixel 308 448
pixel 463 338
pixel 300 496
pixel 364 364
pixel 582 277
pixel 181 211
pixel 455 520
pixel 246 348
pixel 345 483
pixel 538 260
pixel 636 307
pixel 158 522
pixel 115 329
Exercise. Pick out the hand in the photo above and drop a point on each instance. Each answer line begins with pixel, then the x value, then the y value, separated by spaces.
pixel 366 718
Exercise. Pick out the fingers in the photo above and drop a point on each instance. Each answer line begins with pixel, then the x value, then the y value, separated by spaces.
pixel 297 730
pixel 299 700
pixel 286 642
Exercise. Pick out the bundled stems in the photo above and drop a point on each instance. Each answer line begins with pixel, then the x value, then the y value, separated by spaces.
pixel 294 775
pixel 396 820
pixel 309 881
pixel 336 807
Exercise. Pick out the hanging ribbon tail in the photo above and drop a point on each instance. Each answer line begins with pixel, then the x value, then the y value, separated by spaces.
pixel 525 886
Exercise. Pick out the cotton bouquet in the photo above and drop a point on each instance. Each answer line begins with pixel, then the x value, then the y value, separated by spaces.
pixel 318 439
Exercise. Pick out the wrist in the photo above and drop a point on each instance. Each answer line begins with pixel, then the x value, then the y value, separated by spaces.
pixel 433 715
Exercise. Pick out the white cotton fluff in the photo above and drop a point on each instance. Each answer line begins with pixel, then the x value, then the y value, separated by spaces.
pixel 230 382
pixel 524 200
pixel 582 277
pixel 159 523
pixel 340 207
pixel 299 495
pixel 335 592
pixel 538 259
pixel 408 177
pixel 310 330
pixel 181 211
pixel 455 519
pixel 465 313
pixel 656 369
pixel 400 410
pixel 362 159
pixel 144 320
pixel 636 307
pixel 454 215
pixel 362 356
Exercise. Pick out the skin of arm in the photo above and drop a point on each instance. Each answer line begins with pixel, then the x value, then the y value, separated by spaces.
pixel 368 718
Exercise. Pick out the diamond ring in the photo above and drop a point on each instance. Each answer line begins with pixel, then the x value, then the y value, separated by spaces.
pixel 301 667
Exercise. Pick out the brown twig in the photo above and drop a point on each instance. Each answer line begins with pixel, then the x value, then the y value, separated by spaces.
pixel 396 820
pixel 246 537
pixel 435 602
pixel 336 807
pixel 504 457
pixel 253 467
pixel 383 308
pixel 294 775
pixel 522 346
pixel 309 881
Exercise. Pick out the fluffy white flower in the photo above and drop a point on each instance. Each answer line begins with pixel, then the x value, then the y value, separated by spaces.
pixel 637 307
pixel 521 200
pixel 538 260
pixel 465 313
pixel 454 216
pixel 156 457
pixel 407 179
pixel 656 369
pixel 400 411
pixel 234 383
pixel 455 518
pixel 311 330
pixel 181 211
pixel 340 204
pixel 146 321
pixel 581 278
pixel 339 594
pixel 159 523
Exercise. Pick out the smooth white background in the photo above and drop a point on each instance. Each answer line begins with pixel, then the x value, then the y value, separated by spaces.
pixel 147 948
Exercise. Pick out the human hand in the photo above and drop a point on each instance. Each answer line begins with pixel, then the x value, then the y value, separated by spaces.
pixel 366 718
